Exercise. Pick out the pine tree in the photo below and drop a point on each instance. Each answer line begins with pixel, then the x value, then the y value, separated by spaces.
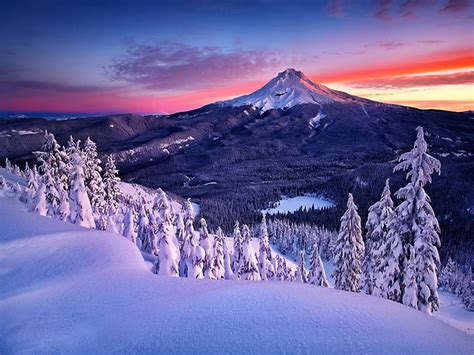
pixel 300 271
pixel 189 237
pixel 417 225
pixel 39 203
pixel 264 249
pixel 448 276
pixel 349 250
pixel 376 242
pixel 248 269
pixel 217 264
pixel 111 225
pixel 64 209
pixel 129 230
pixel 317 275
pixel 228 273
pixel 81 210
pixel 32 186
pixel 205 243
pixel 110 183
pixel 168 252
pixel 92 176
pixel 237 255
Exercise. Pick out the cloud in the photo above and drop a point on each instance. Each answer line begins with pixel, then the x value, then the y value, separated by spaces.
pixel 455 6
pixel 171 66
pixel 334 7
pixel 390 45
pixel 382 9
pixel 409 7
pixel 404 82
pixel 25 85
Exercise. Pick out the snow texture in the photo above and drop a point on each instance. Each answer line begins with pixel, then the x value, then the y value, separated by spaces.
pixel 66 289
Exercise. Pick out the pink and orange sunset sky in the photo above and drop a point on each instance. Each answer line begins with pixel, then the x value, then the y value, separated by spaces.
pixel 167 56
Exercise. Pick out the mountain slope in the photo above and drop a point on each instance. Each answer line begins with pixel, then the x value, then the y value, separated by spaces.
pixel 67 289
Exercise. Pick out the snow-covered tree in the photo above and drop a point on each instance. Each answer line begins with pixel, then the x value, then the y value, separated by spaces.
pixel 111 224
pixel 264 253
pixel 349 250
pixel 110 182
pixel 376 242
pixel 300 274
pixel 189 237
pixel 32 185
pixel 92 176
pixel 228 273
pixel 237 255
pixel 206 244
pixel 317 275
pixel 217 264
pixel 168 250
pixel 417 226
pixel 449 275
pixel 39 203
pixel 8 165
pixel 197 257
pixel 81 210
pixel 248 269
pixel 64 209
pixel 129 230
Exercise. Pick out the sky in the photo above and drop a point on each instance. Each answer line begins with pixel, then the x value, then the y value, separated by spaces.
pixel 163 56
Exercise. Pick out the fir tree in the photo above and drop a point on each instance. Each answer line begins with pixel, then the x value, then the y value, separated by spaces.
pixel 264 249
pixel 81 210
pixel 92 176
pixel 64 209
pixel 317 275
pixel 205 243
pixel 417 225
pixel 237 255
pixel 376 242
pixel 189 237
pixel 110 181
pixel 217 264
pixel 111 225
pixel 129 230
pixel 300 271
pixel 168 252
pixel 248 269
pixel 349 250
pixel 228 273
pixel 39 203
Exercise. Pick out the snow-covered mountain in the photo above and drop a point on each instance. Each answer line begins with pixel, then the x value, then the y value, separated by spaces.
pixel 290 88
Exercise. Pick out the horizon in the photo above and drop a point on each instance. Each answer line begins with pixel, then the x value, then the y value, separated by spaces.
pixel 68 58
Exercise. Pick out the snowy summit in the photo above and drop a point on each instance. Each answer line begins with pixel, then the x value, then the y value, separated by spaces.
pixel 290 88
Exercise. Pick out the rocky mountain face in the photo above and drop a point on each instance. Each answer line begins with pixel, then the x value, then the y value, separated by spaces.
pixel 291 136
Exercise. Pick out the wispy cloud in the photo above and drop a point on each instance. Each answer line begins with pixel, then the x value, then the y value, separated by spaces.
pixel 382 9
pixel 170 66
pixel 455 6
pixel 404 82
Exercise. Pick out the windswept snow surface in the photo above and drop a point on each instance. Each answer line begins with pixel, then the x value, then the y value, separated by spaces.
pixel 290 88
pixel 293 204
pixel 65 289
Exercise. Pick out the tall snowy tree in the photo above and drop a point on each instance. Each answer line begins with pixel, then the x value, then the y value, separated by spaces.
pixel 129 230
pixel 317 275
pixel 168 251
pixel 217 264
pixel 264 253
pixel 300 271
pixel 189 237
pixel 228 273
pixel 64 209
pixel 248 269
pixel 417 226
pixel 206 244
pixel 237 255
pixel 81 210
pixel 376 241
pixel 39 203
pixel 92 176
pixel 110 180
pixel 349 250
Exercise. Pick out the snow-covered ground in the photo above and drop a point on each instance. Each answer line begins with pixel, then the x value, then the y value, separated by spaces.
pixel 65 289
pixel 293 204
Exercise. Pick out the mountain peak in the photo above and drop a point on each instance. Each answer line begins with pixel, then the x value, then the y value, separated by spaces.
pixel 289 88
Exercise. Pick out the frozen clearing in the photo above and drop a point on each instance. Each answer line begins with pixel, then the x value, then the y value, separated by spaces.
pixel 65 289
pixel 293 204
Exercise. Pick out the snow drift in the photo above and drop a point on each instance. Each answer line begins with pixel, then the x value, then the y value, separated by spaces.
pixel 68 289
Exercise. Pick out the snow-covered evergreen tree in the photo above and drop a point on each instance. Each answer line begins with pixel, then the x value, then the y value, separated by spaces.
pixel 349 250
pixel 110 181
pixel 197 263
pixel 417 226
pixel 376 242
pixel 111 224
pixel 64 209
pixel 448 278
pixel 129 230
pixel 81 210
pixel 168 250
pixel 248 269
pixel 217 264
pixel 92 176
pixel 228 273
pixel 206 244
pixel 189 237
pixel 264 253
pixel 39 204
pixel 317 275
pixel 237 255
pixel 8 165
